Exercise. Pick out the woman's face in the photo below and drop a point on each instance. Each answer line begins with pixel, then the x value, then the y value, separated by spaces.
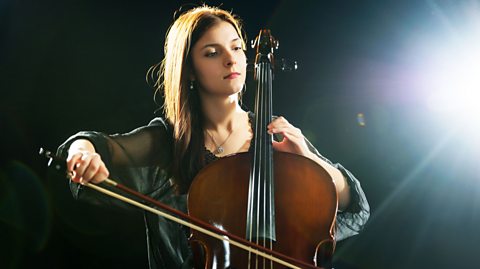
pixel 219 62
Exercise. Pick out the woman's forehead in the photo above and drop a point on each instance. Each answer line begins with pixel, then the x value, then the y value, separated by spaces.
pixel 220 33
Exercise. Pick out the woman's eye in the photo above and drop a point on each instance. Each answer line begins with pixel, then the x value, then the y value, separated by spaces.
pixel 211 54
pixel 237 48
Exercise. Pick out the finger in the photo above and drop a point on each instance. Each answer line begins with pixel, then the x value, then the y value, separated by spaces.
pixel 72 160
pixel 286 146
pixel 72 167
pixel 287 131
pixel 294 135
pixel 278 121
pixel 82 165
pixel 92 168
pixel 101 175
pixel 278 145
pixel 276 128
pixel 281 125
pixel 293 140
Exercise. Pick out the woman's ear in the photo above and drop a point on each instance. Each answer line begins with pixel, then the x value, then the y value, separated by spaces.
pixel 191 75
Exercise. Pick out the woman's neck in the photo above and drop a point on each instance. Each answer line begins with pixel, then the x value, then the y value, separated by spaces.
pixel 222 114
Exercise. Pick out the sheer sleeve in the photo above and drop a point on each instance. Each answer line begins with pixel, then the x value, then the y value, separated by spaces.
pixel 352 220
pixel 144 146
pixel 139 159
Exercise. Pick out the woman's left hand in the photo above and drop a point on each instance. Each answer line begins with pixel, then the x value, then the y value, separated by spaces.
pixel 293 139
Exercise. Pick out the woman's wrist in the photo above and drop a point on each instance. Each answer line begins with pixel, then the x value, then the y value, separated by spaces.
pixel 81 145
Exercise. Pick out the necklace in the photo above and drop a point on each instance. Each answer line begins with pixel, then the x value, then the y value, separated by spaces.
pixel 219 148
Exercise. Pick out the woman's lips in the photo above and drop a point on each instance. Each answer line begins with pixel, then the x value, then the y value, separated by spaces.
pixel 232 75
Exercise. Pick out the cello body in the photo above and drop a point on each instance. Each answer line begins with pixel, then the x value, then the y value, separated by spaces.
pixel 306 206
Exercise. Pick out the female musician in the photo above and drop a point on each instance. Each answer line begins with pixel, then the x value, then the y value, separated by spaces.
pixel 202 77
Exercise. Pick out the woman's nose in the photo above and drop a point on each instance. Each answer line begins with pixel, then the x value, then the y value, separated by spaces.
pixel 230 59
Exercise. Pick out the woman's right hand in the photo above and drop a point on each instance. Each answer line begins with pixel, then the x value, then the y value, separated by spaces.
pixel 84 164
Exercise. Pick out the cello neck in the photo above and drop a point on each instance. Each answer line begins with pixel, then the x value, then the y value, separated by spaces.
pixel 261 205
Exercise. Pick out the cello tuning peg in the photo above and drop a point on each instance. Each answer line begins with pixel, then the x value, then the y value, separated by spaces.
pixel 286 65
pixel 276 44
pixel 45 153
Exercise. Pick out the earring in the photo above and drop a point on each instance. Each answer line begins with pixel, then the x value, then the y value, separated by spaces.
pixel 191 85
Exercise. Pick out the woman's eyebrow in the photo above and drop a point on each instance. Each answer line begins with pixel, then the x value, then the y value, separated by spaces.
pixel 218 45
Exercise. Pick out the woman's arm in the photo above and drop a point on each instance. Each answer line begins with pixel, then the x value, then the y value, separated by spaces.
pixel 354 208
pixel 294 142
pixel 343 189
pixel 139 159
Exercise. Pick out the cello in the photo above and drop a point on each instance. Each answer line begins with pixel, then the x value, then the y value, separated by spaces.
pixel 281 201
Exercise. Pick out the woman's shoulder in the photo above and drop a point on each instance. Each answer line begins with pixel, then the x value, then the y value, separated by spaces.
pixel 159 121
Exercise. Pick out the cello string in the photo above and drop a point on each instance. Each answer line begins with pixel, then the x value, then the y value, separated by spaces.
pixel 260 160
pixel 271 199
pixel 253 171
pixel 263 179
pixel 267 178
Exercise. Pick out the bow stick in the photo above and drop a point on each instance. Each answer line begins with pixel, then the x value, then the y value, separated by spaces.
pixel 193 223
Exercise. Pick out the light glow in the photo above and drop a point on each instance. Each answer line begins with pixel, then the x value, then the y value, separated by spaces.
pixel 450 78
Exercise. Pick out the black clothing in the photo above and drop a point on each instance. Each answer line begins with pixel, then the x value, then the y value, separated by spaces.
pixel 141 160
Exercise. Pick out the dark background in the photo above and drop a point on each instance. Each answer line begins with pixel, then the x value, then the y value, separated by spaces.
pixel 70 65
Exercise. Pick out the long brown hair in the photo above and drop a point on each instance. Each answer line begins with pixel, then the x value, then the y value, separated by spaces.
pixel 182 105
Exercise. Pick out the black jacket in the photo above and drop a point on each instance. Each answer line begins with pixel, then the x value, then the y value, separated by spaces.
pixel 141 160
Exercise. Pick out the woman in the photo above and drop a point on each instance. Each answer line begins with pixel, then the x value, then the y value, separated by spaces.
pixel 202 76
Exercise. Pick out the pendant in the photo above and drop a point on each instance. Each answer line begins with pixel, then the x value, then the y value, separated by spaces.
pixel 219 150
